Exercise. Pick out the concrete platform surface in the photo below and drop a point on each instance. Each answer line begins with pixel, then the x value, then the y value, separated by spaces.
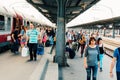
pixel 76 71
pixel 16 67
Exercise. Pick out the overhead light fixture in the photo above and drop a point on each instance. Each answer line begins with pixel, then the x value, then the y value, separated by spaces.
pixel 47 15
pixel 84 4
pixel 37 1
pixel 99 26
pixel 44 10
pixel 110 26
pixel 75 12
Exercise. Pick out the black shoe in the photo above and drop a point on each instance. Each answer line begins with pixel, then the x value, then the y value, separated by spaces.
pixel 67 65
pixel 81 56
pixel 29 60
pixel 35 59
pixel 16 52
pixel 101 70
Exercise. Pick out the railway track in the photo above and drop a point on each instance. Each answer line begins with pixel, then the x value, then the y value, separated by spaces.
pixel 110 45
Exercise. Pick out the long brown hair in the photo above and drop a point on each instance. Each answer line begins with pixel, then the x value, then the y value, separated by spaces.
pixel 99 40
pixel 22 27
pixel 91 38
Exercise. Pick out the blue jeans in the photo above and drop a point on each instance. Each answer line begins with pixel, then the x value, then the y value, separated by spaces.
pixel 101 60
pixel 93 70
pixel 16 45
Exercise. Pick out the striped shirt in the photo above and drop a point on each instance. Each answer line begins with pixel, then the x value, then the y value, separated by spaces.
pixel 33 35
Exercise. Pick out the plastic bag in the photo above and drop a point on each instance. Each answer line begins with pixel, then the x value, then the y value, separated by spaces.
pixel 25 51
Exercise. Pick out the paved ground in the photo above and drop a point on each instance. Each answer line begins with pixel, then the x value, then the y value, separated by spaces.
pixel 16 67
pixel 76 70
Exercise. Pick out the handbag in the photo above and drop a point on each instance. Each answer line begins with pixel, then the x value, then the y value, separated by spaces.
pixel 44 39
pixel 40 49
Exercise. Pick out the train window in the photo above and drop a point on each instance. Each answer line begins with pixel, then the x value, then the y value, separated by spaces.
pixel 2 22
pixel 25 24
pixel 28 23
pixel 8 24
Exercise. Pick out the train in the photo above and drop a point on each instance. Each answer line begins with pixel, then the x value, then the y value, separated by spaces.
pixel 8 21
pixel 11 16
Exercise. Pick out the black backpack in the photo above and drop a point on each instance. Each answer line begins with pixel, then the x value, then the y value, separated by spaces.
pixel 71 52
pixel 47 44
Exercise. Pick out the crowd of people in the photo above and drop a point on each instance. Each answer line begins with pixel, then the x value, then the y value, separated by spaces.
pixel 32 36
pixel 90 46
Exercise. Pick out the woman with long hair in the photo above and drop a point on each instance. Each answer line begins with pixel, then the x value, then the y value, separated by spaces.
pixel 91 59
pixel 22 36
pixel 100 44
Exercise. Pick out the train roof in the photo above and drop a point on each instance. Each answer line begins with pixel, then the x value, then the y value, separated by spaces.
pixel 6 11
pixel 23 9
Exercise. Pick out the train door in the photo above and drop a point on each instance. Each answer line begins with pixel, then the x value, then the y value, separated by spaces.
pixel 14 23
pixel 17 22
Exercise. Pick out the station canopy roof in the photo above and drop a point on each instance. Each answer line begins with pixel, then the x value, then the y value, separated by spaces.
pixel 104 12
pixel 115 20
pixel 73 8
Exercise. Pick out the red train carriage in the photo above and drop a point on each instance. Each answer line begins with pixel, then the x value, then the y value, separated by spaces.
pixel 7 25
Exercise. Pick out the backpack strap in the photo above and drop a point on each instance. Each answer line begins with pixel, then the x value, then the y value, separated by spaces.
pixel 119 50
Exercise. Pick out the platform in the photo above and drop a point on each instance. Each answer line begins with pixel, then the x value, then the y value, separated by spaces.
pixel 16 67
pixel 76 71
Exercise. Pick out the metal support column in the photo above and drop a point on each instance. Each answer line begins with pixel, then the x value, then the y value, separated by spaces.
pixel 119 30
pixel 60 34
pixel 113 31
pixel 89 31
pixel 104 32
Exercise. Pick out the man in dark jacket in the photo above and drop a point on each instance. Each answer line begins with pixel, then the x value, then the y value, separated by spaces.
pixel 15 37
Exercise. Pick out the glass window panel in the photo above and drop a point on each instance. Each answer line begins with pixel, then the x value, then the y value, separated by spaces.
pixel 8 24
pixel 2 23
